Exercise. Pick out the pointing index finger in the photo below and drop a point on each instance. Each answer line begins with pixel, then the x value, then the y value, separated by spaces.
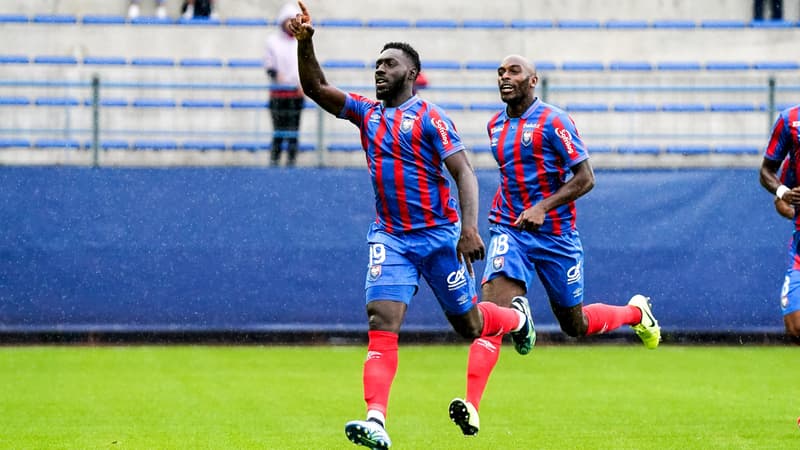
pixel 302 7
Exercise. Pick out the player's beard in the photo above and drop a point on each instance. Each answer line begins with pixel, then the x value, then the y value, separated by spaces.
pixel 390 90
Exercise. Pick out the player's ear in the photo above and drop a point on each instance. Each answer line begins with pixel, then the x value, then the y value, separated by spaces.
pixel 412 74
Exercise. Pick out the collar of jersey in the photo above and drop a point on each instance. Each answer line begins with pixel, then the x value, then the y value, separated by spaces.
pixel 407 104
pixel 528 112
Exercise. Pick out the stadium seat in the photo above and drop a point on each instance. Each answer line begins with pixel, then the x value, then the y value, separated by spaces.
pixel 340 23
pixel 723 24
pixel 202 103
pixel 670 23
pixel 388 23
pixel 14 59
pixel 600 148
pixel 153 144
pixel 55 59
pixel 629 66
pixel 306 147
pixel 251 145
pixel 203 145
pixel 245 63
pixel 635 107
pixel 578 24
pixel 441 65
pixel 586 107
pixel 776 65
pixel 248 104
pixel 483 23
pixel 108 102
pixel 737 149
pixel 153 103
pixel 105 61
pixel 111 144
pixel 487 106
pixel 149 20
pixel 521 23
pixel 545 65
pixel 344 147
pixel 688 149
pixel 679 65
pixel 639 149
pixel 14 142
pixel 200 62
pixel 200 21
pixel 343 64
pixel 436 23
pixel 732 107
pixel 103 20
pixel 683 107
pixel 55 18
pixel 481 65
pixel 582 66
pixel 772 24
pixel 57 143
pixel 56 101
pixel 247 22
pixel 627 24
pixel 152 62
pixel 14 100
pixel 727 65
pixel 13 18
pixel 481 148
pixel 450 106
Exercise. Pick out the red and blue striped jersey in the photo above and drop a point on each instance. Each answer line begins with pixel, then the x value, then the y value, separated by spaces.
pixel 784 143
pixel 405 149
pixel 535 153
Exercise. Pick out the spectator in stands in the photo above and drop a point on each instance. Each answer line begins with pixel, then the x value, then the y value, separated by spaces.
pixel 134 10
pixel 783 145
pixel 776 9
pixel 532 227
pixel 198 9
pixel 286 97
pixel 408 143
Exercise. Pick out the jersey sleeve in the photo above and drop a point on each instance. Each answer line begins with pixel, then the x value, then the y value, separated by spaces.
pixel 355 107
pixel 777 147
pixel 441 133
pixel 565 139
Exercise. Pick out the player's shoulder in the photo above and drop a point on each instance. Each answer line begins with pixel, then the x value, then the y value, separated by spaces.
pixel 552 109
pixel 358 98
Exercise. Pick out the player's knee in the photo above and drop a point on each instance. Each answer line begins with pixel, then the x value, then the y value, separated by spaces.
pixel 573 328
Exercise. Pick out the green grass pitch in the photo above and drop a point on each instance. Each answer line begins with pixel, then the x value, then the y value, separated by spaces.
pixel 558 397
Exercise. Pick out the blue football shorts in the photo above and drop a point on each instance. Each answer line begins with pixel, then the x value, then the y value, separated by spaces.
pixel 790 291
pixel 396 262
pixel 557 260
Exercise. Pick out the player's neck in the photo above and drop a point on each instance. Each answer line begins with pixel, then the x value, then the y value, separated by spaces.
pixel 398 99
pixel 518 109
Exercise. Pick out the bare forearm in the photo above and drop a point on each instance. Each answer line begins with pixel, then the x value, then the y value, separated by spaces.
pixel 468 198
pixel 311 75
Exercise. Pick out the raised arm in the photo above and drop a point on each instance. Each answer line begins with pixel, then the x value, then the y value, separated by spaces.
pixel 312 79
pixel 470 245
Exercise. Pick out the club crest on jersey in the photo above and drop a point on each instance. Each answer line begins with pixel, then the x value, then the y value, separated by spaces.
pixel 497 262
pixel 566 138
pixel 527 136
pixel 407 124
pixel 374 272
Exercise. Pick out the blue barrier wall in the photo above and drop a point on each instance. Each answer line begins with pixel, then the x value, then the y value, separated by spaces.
pixel 258 250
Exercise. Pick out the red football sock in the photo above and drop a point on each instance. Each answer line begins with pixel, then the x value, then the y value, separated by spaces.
pixel 603 318
pixel 497 320
pixel 483 355
pixel 379 369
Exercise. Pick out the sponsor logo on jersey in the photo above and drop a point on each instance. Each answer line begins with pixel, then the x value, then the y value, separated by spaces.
pixel 496 129
pixel 574 274
pixel 795 124
pixel 407 124
pixel 527 136
pixel 374 272
pixel 442 127
pixel 457 279
pixel 497 262
pixel 566 139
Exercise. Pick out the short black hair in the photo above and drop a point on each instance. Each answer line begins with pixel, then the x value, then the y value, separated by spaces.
pixel 408 50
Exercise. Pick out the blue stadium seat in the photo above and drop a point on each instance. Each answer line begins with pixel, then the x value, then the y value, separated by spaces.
pixel 483 23
pixel 671 23
pixel 155 144
pixel 247 22
pixel 727 65
pixel 200 21
pixel 436 23
pixel 600 148
pixel 635 107
pixel 451 106
pixel 586 107
pixel 149 20
pixel 487 106
pixel 441 65
pixel 688 149
pixel 679 65
pixel 630 66
pixel 582 66
pixel 152 62
pixel 13 18
pixel 56 101
pixel 388 23
pixel 200 62
pixel 732 107
pixel 203 145
pixel 57 143
pixel 627 24
pixel 105 61
pixel 14 59
pixel 344 147
pixel 103 20
pixel 723 24
pixel 248 104
pixel 202 103
pixel 343 64
pixel 738 149
pixel 153 103
pixel 306 147
pixel 251 145
pixel 481 148
pixel 14 100
pixel 481 65
pixel 111 144
pixel 776 65
pixel 108 102
pixel 55 18
pixel 639 149
pixel 772 24
pixel 14 142
pixel 523 23
pixel 55 59
pixel 341 23
pixel 245 63
pixel 579 24
pixel 683 107
pixel 545 65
